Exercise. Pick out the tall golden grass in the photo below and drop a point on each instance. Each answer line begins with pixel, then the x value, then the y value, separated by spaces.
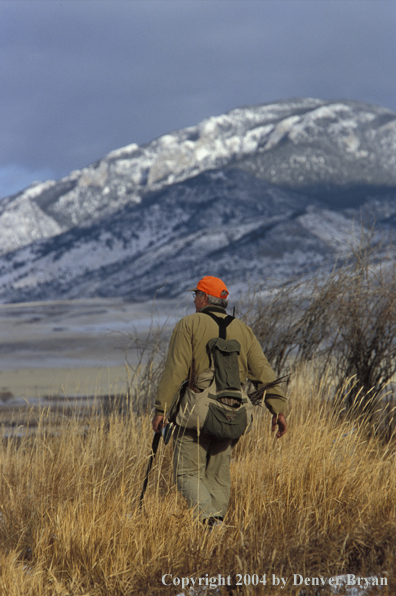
pixel 319 502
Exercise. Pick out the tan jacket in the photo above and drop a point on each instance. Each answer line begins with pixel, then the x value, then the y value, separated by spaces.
pixel 191 335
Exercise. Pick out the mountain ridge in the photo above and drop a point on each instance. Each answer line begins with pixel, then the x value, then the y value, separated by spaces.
pixel 262 190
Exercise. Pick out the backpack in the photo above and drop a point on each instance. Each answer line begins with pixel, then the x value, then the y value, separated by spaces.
pixel 217 405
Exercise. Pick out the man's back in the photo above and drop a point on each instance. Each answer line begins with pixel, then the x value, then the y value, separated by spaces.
pixel 189 340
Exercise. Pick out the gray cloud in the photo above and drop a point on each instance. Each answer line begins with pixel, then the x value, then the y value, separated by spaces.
pixel 81 78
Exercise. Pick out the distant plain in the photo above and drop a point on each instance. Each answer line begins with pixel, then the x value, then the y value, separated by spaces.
pixel 73 349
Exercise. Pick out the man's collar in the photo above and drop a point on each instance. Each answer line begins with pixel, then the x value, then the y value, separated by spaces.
pixel 213 308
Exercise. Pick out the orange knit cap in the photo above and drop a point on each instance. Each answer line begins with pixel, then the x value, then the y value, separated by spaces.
pixel 212 286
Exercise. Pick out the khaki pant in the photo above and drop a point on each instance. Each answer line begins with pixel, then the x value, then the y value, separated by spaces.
pixel 202 471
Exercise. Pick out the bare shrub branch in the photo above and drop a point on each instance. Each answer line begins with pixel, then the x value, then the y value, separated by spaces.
pixel 145 360
pixel 344 323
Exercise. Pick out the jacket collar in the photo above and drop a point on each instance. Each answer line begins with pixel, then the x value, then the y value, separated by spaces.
pixel 214 308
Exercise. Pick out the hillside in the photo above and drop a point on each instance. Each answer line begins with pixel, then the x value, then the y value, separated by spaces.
pixel 261 192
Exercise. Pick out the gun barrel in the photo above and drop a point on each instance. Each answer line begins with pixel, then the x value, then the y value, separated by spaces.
pixel 154 448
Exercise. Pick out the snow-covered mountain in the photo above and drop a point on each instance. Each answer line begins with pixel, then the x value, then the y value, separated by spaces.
pixel 258 193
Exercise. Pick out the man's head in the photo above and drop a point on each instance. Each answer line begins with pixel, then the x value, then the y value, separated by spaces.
pixel 210 290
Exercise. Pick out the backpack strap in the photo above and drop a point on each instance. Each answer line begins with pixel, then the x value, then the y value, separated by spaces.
pixel 222 322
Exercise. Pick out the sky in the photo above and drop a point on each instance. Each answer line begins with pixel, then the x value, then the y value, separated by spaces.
pixel 79 78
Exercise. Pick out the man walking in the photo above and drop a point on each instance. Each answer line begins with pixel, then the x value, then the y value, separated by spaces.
pixel 201 461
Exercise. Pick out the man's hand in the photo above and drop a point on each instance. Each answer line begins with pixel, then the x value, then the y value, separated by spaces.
pixel 158 422
pixel 280 420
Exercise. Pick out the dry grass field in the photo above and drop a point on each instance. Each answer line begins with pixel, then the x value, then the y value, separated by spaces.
pixel 320 502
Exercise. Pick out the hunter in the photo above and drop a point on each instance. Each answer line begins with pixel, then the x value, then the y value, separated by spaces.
pixel 202 448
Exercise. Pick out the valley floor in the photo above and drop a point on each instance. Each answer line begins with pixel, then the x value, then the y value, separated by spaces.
pixel 59 352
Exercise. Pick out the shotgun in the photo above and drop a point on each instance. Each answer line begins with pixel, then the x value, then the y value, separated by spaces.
pixel 154 448
pixel 166 432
